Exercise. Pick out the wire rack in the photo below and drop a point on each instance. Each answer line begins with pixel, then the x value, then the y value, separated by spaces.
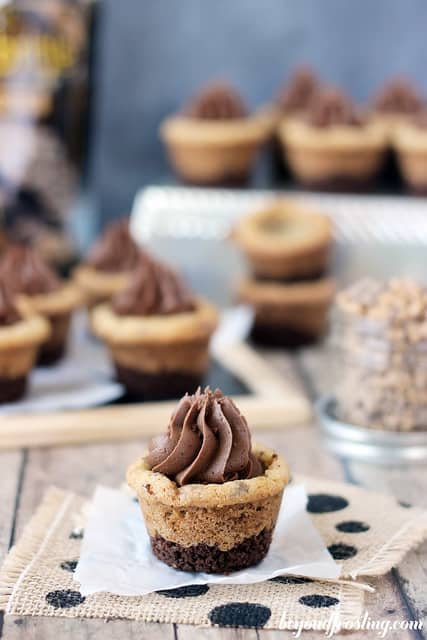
pixel 181 212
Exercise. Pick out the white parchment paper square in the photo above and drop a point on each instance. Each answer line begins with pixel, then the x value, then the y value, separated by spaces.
pixel 116 556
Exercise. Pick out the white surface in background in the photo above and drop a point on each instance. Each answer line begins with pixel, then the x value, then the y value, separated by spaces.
pixel 184 212
pixel 116 555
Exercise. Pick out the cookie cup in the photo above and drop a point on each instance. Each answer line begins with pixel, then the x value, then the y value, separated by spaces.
pixel 57 308
pixel 158 356
pixel 334 158
pixel 284 240
pixel 288 315
pixel 410 145
pixel 99 286
pixel 211 152
pixel 215 528
pixel 19 345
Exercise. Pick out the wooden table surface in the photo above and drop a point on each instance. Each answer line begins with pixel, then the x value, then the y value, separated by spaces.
pixel 401 595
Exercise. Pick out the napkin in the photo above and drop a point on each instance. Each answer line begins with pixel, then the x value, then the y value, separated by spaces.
pixel 116 556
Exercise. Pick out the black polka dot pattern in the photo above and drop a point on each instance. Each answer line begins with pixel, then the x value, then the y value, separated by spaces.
pixel 191 591
pixel 318 601
pixel 342 551
pixel 76 534
pixel 240 614
pixel 65 599
pixel 69 565
pixel 352 526
pixel 325 503
pixel 291 580
pixel 406 505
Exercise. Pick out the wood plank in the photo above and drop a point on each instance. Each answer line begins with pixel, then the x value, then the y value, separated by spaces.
pixel 16 628
pixel 189 632
pixel 126 422
pixel 11 463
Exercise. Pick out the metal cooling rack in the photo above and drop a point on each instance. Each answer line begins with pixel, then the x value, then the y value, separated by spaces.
pixel 181 212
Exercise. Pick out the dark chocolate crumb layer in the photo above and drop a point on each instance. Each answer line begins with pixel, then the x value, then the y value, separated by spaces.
pixel 273 335
pixel 202 557
pixel 315 276
pixel 341 184
pixel 50 355
pixel 12 389
pixel 167 385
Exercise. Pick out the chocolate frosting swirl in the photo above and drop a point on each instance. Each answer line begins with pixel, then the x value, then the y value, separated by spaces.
pixel 9 314
pixel 398 96
pixel 218 101
pixel 155 289
pixel 208 440
pixel 330 107
pixel 26 272
pixel 115 250
pixel 298 93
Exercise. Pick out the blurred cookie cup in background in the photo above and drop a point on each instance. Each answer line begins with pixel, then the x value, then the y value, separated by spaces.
pixel 215 140
pixel 285 241
pixel 157 332
pixel 397 102
pixel 410 144
pixel 107 268
pixel 21 334
pixel 333 146
pixel 288 314
pixel 34 283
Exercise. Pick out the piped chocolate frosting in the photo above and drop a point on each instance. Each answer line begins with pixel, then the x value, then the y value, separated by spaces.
pixel 25 271
pixel 398 96
pixel 331 107
pixel 9 314
pixel 155 289
pixel 218 101
pixel 298 93
pixel 208 441
pixel 115 250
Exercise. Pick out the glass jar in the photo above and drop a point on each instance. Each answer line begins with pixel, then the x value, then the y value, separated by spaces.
pixel 381 380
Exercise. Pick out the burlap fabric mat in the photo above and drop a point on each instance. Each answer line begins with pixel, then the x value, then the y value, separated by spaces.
pixel 368 533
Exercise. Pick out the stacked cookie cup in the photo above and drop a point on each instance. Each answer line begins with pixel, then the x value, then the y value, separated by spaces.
pixel 288 248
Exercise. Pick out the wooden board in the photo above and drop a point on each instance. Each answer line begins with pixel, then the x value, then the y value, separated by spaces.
pixel 274 402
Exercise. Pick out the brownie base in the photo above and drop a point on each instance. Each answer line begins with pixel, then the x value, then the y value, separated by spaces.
pixel 229 181
pixel 270 335
pixel 49 356
pixel 166 385
pixel 202 557
pixel 12 389
pixel 341 184
pixel 315 276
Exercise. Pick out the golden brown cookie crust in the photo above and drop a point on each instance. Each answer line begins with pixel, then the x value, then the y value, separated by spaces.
pixel 254 129
pixel 318 154
pixel 56 303
pixel 213 151
pixel 31 330
pixel 285 239
pixel 302 306
pixel 98 286
pixel 158 487
pixel 189 326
